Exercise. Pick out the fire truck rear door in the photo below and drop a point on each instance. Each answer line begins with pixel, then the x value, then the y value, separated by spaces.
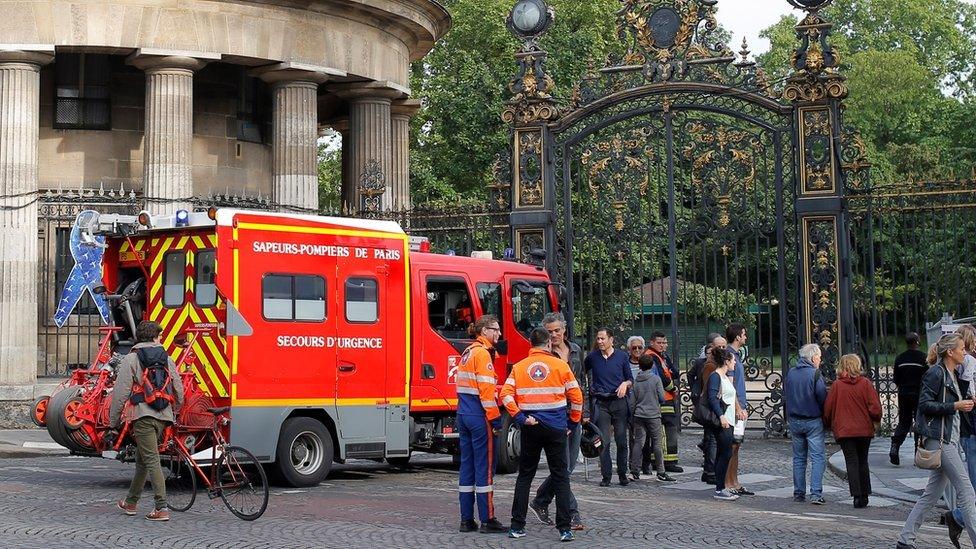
pixel 361 349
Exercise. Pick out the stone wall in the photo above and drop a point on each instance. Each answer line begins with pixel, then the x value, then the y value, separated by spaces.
pixel 220 161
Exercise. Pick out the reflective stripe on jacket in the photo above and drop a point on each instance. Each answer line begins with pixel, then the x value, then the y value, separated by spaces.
pixel 540 385
pixel 476 381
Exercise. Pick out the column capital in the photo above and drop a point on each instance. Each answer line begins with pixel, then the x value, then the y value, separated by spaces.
pixel 32 55
pixel 404 108
pixel 289 72
pixel 158 60
pixel 370 91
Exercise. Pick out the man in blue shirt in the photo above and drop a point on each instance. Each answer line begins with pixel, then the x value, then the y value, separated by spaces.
pixel 805 392
pixel 736 335
pixel 611 379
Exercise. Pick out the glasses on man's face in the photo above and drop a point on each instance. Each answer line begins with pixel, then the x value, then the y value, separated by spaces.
pixel 636 347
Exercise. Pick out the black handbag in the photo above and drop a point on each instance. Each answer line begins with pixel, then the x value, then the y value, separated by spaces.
pixel 703 415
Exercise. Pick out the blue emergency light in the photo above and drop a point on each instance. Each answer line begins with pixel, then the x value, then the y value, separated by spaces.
pixel 182 218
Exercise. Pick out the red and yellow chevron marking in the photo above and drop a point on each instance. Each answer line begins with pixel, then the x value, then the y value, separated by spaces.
pixel 211 369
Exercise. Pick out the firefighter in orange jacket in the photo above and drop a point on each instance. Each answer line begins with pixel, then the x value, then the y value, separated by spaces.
pixel 477 417
pixel 535 395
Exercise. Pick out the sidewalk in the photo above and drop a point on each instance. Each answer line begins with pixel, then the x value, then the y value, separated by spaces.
pixel 21 443
pixel 903 482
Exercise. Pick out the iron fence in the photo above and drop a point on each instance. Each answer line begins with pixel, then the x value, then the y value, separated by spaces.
pixel 913 259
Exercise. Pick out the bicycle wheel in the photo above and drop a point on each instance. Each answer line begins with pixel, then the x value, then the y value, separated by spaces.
pixel 181 483
pixel 242 483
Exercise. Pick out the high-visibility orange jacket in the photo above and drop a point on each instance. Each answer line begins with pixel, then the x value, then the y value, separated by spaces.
pixel 540 385
pixel 476 381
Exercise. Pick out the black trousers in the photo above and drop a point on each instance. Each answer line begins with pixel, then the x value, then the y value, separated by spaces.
pixel 723 453
pixel 535 440
pixel 708 452
pixel 613 413
pixel 856 456
pixel 671 423
pixel 907 408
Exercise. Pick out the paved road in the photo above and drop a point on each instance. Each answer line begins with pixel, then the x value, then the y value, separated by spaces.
pixel 64 501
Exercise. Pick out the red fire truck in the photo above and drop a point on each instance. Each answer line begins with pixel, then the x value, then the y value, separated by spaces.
pixel 331 338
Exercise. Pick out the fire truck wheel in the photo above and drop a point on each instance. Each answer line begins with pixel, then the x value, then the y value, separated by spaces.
pixel 509 444
pixel 39 411
pixel 305 452
pixel 56 421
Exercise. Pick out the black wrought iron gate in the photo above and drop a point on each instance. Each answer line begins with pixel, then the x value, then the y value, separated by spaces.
pixel 680 192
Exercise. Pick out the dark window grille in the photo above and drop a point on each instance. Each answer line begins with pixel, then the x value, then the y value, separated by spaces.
pixel 82 100
pixel 253 120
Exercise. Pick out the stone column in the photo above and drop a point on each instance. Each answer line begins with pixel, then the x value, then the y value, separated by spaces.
pixel 167 172
pixel 399 181
pixel 370 142
pixel 294 136
pixel 19 106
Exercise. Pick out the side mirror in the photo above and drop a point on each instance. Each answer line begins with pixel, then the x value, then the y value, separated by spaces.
pixel 502 347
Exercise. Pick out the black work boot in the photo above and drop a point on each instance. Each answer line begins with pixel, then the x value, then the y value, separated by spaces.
pixel 468 526
pixel 493 526
pixel 893 456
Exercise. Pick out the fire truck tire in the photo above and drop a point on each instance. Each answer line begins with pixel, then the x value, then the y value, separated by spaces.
pixel 509 445
pixel 39 411
pixel 56 421
pixel 305 452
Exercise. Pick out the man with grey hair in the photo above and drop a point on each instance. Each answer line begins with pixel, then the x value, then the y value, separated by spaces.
pixel 805 393
pixel 696 385
pixel 562 347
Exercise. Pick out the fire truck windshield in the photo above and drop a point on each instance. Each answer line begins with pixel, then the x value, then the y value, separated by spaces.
pixel 530 303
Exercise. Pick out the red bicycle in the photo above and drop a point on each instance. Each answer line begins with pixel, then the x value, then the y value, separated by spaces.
pixel 235 475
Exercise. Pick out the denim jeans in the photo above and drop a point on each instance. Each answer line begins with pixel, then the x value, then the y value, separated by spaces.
pixel 808 439
pixel 953 471
pixel 968 445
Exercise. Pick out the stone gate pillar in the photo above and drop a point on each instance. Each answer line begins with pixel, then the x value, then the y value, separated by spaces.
pixel 816 91
pixel 19 123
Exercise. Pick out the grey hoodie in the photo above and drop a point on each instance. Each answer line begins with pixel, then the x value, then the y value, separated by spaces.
pixel 648 395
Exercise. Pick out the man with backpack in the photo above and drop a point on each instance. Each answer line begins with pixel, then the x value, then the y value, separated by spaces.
pixel 149 382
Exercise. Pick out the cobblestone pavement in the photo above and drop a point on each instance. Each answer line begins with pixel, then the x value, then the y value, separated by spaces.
pixel 64 501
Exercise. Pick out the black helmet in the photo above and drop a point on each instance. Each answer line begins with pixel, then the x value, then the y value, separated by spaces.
pixel 591 441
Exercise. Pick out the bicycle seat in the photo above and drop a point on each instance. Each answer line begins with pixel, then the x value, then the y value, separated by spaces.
pixel 218 411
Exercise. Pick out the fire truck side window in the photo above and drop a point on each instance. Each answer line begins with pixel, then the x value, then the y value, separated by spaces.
pixel 206 289
pixel 174 279
pixel 490 294
pixel 293 297
pixel 528 308
pixel 362 300
pixel 449 308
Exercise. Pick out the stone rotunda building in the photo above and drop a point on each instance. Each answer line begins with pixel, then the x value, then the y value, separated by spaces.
pixel 186 98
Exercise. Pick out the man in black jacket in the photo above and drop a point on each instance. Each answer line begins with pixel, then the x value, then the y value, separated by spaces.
pixel 908 371
pixel 696 386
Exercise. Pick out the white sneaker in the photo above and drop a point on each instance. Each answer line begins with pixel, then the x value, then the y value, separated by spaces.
pixel 725 495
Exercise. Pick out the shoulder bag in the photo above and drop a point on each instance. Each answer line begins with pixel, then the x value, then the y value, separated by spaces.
pixel 931 459
pixel 702 413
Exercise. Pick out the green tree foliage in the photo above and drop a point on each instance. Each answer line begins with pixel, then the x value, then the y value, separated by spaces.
pixel 909 65
pixel 463 84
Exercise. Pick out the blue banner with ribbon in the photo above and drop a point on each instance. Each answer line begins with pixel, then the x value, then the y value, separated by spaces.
pixel 86 275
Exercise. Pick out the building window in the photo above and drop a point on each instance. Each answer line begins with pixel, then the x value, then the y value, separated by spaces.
pixel 293 297
pixel 63 263
pixel 362 300
pixel 252 109
pixel 82 91
pixel 174 279
pixel 206 287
